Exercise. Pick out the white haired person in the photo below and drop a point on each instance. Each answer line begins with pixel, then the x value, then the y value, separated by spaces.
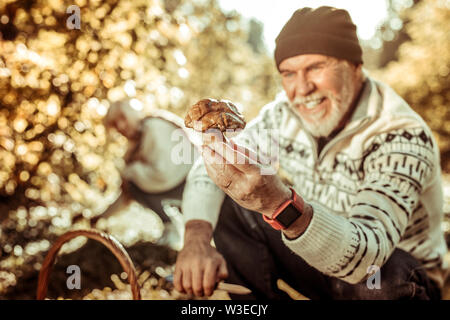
pixel 153 171
pixel 363 191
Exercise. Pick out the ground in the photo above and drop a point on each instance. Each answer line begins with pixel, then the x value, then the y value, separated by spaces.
pixel 103 277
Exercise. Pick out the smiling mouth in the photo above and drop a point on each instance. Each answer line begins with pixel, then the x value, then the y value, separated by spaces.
pixel 309 105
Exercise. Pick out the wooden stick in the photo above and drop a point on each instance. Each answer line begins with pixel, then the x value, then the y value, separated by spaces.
pixel 228 287
pixel 233 288
pixel 294 294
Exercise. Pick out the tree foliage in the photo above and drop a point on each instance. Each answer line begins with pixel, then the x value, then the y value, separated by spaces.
pixel 421 74
pixel 57 83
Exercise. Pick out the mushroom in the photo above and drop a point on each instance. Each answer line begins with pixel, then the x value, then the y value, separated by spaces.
pixel 214 114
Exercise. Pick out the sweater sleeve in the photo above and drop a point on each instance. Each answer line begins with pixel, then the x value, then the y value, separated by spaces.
pixel 202 199
pixel 397 166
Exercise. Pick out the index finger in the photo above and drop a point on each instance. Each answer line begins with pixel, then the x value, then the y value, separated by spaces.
pixel 209 278
pixel 238 156
pixel 221 173
pixel 177 280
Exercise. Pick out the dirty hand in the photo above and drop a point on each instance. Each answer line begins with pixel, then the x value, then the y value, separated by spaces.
pixel 199 265
pixel 236 171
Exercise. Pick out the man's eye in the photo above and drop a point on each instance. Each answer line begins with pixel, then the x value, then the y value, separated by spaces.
pixel 288 74
pixel 315 67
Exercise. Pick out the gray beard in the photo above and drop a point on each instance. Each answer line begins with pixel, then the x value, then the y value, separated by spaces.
pixel 322 128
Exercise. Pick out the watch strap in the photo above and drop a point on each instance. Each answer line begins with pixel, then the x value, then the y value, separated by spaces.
pixel 295 201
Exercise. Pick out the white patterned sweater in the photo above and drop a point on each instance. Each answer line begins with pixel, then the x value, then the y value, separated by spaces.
pixel 374 187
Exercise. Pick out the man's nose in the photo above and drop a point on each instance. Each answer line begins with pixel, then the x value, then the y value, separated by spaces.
pixel 304 87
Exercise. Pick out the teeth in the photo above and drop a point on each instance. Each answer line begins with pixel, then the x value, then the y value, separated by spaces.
pixel 312 104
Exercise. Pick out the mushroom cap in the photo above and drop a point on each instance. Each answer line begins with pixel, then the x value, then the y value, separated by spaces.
pixel 214 114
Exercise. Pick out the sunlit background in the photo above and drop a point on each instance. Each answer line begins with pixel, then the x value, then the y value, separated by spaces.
pixel 59 166
pixel 367 15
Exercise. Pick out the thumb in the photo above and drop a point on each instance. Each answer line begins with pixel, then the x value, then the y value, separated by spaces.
pixel 222 272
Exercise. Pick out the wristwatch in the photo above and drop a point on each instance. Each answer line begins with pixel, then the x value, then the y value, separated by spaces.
pixel 287 212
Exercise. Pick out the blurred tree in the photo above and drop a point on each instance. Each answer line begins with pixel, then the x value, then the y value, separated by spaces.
pixel 392 31
pixel 56 84
pixel 382 48
pixel 255 36
pixel 421 75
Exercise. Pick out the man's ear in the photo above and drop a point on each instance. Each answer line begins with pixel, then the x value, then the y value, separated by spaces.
pixel 358 71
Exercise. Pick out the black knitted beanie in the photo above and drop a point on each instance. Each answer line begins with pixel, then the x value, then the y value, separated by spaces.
pixel 325 30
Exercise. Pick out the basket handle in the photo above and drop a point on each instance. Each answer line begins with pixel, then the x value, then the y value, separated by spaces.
pixel 109 241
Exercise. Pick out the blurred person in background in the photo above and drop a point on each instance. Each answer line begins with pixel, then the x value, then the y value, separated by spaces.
pixel 152 175
pixel 358 189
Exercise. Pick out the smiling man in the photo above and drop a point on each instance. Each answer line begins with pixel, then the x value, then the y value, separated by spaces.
pixel 358 187
pixel 322 89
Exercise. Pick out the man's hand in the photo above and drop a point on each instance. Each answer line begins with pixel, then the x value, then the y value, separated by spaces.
pixel 199 265
pixel 236 171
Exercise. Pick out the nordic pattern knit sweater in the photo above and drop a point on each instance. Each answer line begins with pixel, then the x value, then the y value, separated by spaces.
pixel 374 187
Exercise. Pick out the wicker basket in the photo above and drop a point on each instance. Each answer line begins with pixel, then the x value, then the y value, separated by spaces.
pixel 110 242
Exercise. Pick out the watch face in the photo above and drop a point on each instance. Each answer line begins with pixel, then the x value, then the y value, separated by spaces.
pixel 288 216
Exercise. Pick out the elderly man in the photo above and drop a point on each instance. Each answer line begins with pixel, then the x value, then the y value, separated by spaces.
pixel 356 207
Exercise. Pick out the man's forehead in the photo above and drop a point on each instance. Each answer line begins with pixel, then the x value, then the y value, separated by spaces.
pixel 302 60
